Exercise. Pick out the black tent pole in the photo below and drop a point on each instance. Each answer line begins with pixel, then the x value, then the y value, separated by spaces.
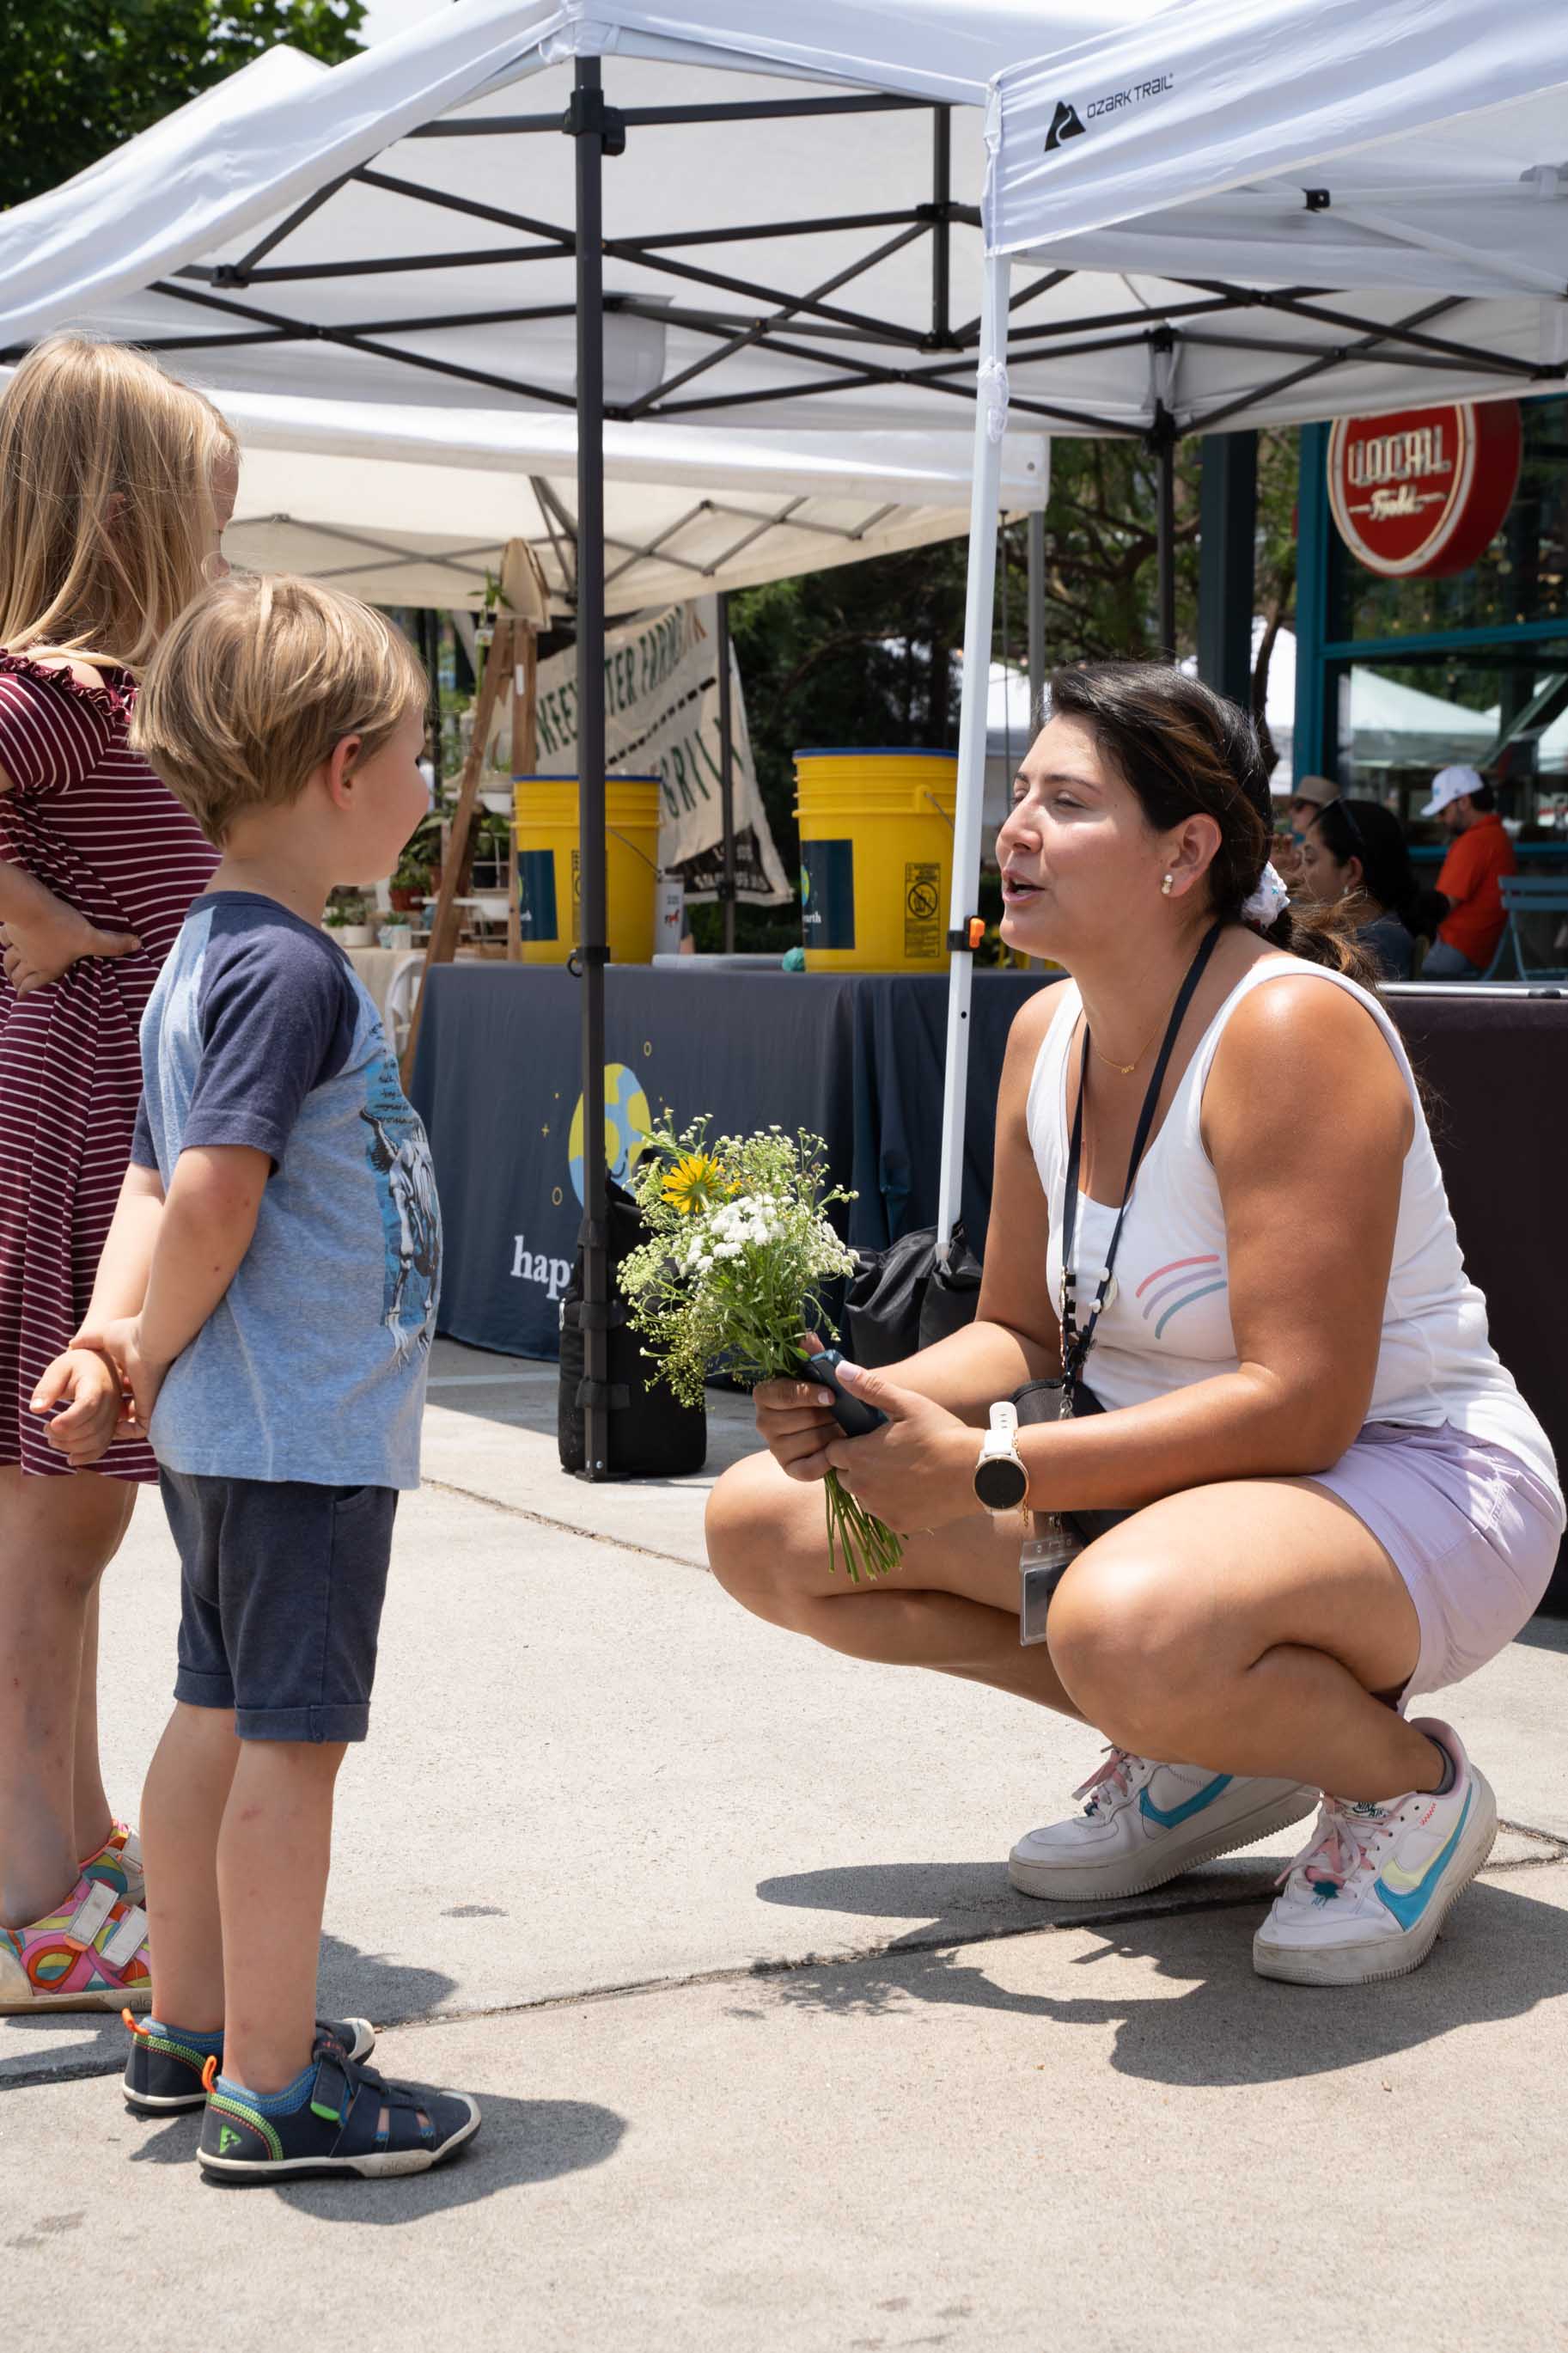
pixel 433 657
pixel 1165 543
pixel 585 123
pixel 726 773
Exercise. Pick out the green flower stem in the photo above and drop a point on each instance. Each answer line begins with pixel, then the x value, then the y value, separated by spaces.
pixel 866 1544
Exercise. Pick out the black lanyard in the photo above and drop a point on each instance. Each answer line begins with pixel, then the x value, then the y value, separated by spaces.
pixel 1076 1344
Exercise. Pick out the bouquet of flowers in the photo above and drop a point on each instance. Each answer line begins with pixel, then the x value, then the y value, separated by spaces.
pixel 731 1275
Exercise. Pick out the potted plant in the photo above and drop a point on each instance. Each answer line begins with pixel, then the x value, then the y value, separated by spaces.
pixel 412 882
pixel 348 920
pixel 418 875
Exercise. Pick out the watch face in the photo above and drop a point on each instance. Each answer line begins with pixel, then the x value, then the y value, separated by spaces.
pixel 1001 1485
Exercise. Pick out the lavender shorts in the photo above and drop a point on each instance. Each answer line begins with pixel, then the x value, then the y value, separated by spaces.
pixel 1471 1529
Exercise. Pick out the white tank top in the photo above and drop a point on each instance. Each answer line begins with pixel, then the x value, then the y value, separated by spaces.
pixel 1166 1322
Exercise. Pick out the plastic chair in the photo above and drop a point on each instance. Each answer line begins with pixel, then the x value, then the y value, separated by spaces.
pixel 400 997
pixel 1529 894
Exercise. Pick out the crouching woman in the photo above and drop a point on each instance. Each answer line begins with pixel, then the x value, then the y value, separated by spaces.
pixel 1334 1497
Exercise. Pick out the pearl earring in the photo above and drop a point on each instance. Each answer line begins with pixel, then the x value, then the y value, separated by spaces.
pixel 1165 886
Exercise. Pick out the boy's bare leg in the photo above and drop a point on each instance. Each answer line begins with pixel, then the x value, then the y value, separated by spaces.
pixel 274 1853
pixel 57 1537
pixel 182 1813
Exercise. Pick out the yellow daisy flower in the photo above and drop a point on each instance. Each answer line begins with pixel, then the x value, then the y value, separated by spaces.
pixel 692 1182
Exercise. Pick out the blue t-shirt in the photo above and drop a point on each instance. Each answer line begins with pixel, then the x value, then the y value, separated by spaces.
pixel 312 1365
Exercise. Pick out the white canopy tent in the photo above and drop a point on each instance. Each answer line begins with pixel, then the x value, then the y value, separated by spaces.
pixel 393 230
pixel 343 234
pixel 413 505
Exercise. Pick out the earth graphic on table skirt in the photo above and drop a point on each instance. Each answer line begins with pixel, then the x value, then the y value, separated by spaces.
pixel 627 1123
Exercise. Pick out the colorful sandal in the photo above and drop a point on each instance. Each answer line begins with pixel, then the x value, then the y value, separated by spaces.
pixel 118 1864
pixel 90 1954
pixel 163 2074
pixel 354 2122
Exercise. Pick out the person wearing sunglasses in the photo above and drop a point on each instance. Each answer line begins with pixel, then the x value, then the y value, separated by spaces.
pixel 1353 854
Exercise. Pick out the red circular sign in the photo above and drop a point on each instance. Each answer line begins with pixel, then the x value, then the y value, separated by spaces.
pixel 1425 490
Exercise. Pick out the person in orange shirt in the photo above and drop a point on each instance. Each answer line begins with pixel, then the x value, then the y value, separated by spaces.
pixel 1479 854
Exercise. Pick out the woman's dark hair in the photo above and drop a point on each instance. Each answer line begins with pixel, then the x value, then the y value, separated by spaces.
pixel 1186 752
pixel 1365 830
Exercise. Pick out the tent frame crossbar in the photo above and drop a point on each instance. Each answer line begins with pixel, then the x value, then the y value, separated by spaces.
pixel 1370 343
pixel 750 336
pixel 810 312
pixel 1108 330
pixel 1300 303
pixel 451 561
pixel 650 118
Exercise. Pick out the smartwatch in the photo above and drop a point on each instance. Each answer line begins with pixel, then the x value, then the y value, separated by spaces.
pixel 1001 1481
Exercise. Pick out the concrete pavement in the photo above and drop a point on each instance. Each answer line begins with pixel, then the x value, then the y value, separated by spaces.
pixel 715 1926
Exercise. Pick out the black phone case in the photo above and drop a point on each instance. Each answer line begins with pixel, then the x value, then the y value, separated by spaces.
pixel 855 1419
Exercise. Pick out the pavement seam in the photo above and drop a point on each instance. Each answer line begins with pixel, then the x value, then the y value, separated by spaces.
pixel 562 1527
pixel 1135 1907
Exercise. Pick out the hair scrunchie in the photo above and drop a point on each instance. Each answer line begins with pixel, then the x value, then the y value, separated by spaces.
pixel 1267 903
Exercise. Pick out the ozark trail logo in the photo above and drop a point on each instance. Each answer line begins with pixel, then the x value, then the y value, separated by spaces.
pixel 1065 125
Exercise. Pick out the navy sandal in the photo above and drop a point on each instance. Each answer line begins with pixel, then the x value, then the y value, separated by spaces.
pixel 163 2074
pixel 354 2122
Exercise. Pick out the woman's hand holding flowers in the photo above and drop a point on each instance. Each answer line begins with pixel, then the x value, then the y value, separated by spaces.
pixel 917 1472
pixel 795 1423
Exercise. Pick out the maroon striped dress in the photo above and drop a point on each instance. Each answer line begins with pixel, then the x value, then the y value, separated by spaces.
pixel 88 818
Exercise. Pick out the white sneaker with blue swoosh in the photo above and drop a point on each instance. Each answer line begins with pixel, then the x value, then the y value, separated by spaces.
pixel 1146 1822
pixel 1367 1898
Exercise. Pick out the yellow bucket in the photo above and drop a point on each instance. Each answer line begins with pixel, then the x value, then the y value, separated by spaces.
pixel 876 850
pixel 549 874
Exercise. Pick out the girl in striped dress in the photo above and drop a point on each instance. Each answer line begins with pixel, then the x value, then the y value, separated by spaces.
pixel 115 484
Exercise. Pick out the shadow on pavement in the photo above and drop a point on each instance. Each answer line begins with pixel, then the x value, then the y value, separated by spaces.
pixel 89 2042
pixel 1503 1953
pixel 519 2142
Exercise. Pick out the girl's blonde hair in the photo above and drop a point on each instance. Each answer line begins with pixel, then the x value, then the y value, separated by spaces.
pixel 106 500
pixel 256 684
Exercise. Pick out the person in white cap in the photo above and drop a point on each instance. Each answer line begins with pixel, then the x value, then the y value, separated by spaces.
pixel 1479 854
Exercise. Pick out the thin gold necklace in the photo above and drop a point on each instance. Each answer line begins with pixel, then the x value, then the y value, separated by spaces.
pixel 1125 1070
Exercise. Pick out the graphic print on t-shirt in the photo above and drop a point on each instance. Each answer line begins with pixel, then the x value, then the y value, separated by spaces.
pixel 1193 1278
pixel 399 1155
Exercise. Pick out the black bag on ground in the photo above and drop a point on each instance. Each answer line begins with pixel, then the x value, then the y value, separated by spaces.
pixel 901 1299
pixel 652 1434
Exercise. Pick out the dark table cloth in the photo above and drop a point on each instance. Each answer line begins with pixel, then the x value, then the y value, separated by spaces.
pixel 859 1061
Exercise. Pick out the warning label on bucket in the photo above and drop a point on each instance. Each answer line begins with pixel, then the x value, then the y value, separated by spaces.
pixel 827 893
pixel 922 912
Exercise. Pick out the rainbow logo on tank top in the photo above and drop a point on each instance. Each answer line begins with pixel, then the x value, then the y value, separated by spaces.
pixel 1171 1288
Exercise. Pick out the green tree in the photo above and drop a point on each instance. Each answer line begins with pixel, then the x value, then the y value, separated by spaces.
pixel 864 654
pixel 81 76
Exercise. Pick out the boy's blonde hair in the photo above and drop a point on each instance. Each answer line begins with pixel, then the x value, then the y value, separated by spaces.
pixel 105 499
pixel 256 683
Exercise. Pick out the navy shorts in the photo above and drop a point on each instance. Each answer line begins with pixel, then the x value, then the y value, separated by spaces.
pixel 280 1596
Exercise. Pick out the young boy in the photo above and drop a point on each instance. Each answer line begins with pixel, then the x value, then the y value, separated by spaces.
pixel 268 1296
